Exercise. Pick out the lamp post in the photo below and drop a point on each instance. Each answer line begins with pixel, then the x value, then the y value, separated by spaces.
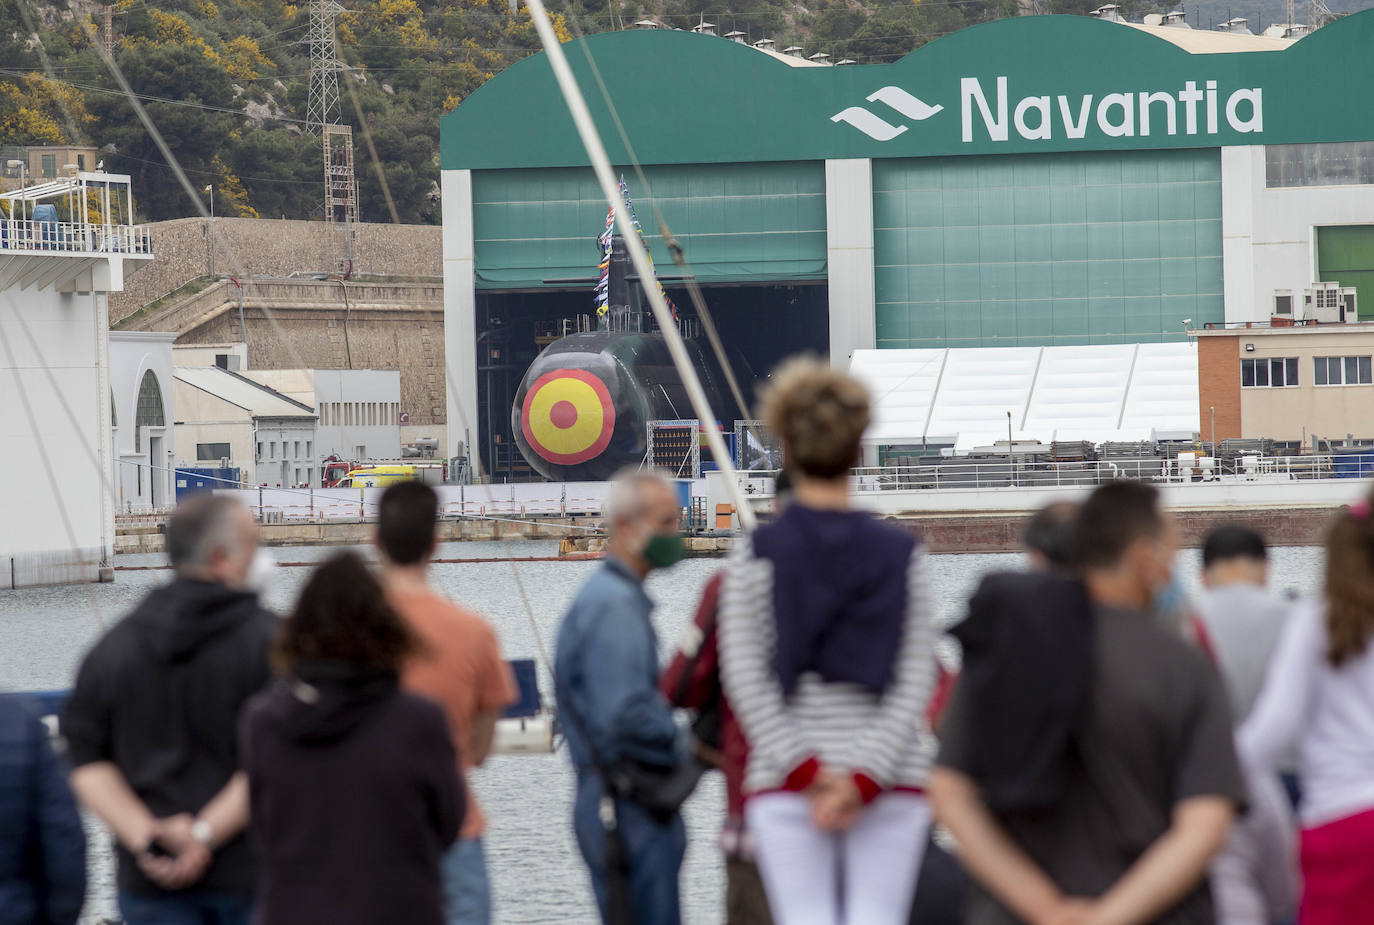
pixel 210 188
pixel 1011 456
pixel 23 167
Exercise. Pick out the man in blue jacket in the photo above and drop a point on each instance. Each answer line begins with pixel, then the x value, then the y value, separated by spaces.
pixel 42 844
pixel 607 666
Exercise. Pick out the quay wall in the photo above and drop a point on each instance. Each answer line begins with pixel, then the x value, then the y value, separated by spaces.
pixel 983 532
pixel 150 539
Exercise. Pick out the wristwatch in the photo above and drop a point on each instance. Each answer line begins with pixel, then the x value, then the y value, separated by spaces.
pixel 201 832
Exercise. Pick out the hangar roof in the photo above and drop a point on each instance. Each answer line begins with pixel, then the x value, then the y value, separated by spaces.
pixel 1025 84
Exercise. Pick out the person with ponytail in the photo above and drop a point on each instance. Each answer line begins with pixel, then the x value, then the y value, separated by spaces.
pixel 1318 695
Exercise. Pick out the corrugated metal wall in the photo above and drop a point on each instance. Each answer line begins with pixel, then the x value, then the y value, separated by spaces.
pixel 737 222
pixel 1087 248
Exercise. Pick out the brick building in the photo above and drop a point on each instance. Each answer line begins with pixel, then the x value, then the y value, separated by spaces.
pixel 1290 383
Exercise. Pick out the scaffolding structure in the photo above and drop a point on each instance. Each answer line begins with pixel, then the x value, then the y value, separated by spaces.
pixel 675 448
pixel 340 181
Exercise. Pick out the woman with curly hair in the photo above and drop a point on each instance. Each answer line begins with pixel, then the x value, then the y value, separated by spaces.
pixel 826 657
pixel 353 784
pixel 1319 695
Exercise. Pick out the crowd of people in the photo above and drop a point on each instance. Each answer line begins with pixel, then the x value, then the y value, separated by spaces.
pixel 1108 750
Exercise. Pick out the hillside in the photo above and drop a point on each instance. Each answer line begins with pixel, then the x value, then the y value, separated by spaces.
pixel 226 81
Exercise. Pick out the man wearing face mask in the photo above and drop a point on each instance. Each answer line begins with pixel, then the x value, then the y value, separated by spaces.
pixel 612 711
pixel 1144 789
pixel 150 726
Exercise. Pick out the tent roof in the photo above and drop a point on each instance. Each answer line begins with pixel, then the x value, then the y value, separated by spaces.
pixel 961 396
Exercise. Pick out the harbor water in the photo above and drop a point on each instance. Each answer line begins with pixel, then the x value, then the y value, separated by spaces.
pixel 536 871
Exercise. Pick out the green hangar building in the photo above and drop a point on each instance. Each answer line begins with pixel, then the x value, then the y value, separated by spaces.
pixel 1033 181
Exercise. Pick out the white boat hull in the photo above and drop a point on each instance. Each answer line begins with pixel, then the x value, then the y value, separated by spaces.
pixel 524 735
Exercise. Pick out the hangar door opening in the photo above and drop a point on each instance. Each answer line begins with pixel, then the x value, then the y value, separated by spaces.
pixel 754 235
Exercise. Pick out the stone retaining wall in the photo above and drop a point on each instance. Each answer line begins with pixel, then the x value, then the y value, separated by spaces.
pixel 267 247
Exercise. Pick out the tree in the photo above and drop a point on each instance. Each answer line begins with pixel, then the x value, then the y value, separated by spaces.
pixel 193 126
pixel 37 111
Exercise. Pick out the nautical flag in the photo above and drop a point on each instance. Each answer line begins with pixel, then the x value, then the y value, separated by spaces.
pixel 602 287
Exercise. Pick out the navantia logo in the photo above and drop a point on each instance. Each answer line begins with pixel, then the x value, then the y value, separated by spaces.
pixel 878 128
pixel 1196 109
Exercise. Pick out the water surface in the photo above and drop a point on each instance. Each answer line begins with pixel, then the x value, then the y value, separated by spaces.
pixel 537 873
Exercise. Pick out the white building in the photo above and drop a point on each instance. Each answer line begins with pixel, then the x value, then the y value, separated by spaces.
pixel 55 421
pixel 142 413
pixel 225 356
pixel 226 419
pixel 359 409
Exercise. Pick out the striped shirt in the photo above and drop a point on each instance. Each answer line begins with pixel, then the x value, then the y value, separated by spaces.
pixel 843 726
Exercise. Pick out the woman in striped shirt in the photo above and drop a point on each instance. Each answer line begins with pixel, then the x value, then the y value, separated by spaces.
pixel 826 656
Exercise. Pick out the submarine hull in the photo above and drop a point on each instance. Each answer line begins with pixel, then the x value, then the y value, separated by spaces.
pixel 582 410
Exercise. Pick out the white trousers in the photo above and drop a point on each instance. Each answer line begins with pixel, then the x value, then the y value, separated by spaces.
pixel 863 876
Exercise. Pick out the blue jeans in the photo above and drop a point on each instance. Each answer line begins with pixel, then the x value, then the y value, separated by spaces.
pixel 654 851
pixel 185 908
pixel 467 892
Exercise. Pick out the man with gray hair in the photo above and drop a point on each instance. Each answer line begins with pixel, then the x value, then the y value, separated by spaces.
pixel 151 724
pixel 607 674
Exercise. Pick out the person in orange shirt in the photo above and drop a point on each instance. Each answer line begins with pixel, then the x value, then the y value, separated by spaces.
pixel 460 667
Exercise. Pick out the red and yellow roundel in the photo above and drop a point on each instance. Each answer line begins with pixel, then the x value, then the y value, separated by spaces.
pixel 568 417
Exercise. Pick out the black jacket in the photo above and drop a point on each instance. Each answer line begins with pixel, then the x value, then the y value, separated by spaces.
pixel 1024 685
pixel 355 793
pixel 42 844
pixel 159 696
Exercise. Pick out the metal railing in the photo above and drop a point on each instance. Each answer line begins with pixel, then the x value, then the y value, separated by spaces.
pixel 74 237
pixel 1034 473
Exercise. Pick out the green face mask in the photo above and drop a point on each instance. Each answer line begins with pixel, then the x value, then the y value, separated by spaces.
pixel 664 549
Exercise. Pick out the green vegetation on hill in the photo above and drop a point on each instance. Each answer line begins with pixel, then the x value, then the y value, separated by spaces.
pixel 226 81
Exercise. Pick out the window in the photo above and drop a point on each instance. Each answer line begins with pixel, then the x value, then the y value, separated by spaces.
pixel 1269 372
pixel 1283 303
pixel 272 450
pixel 1342 164
pixel 259 451
pixel 206 452
pixel 1343 370
pixel 81 162
pixel 297 454
pixel 148 412
pixel 49 165
pixel 348 414
pixel 308 450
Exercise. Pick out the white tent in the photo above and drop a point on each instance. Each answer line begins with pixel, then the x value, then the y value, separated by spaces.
pixel 960 397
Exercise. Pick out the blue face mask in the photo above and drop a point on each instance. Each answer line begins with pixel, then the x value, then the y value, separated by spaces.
pixel 1170 606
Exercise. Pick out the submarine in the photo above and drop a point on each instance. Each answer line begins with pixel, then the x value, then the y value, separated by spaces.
pixel 583 408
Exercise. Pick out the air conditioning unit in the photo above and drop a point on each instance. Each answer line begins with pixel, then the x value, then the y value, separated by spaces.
pixel 1283 302
pixel 1329 303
